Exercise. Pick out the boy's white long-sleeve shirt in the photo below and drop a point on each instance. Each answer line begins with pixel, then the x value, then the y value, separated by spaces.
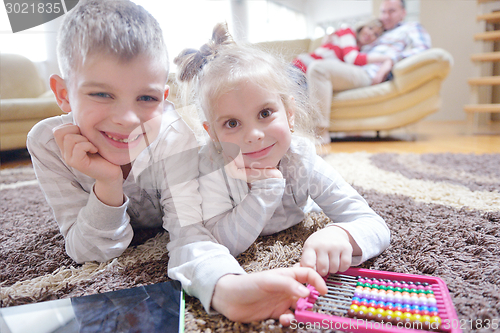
pixel 161 190
pixel 237 215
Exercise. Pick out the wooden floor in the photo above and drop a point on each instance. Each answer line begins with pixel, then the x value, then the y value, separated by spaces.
pixel 423 137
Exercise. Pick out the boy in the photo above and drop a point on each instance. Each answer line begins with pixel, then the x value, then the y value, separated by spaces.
pixel 122 158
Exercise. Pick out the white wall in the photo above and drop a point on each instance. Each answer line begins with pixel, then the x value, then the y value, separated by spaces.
pixel 452 25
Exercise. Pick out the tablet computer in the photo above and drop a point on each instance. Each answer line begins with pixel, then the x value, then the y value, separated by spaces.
pixel 152 308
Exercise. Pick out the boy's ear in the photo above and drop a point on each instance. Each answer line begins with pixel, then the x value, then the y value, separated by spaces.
pixel 206 126
pixel 60 90
pixel 166 92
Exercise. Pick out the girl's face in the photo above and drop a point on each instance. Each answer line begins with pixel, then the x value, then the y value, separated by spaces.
pixel 254 119
pixel 368 35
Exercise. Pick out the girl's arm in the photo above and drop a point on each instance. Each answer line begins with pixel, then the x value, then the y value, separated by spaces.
pixel 348 211
pixel 235 214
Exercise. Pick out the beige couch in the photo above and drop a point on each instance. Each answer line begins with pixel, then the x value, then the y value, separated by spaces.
pixel 410 96
pixel 24 100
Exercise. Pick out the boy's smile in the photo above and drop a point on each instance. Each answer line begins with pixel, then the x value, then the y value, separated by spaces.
pixel 118 104
pixel 254 119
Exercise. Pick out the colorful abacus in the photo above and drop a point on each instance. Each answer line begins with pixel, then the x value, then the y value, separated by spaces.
pixel 362 300
pixel 395 301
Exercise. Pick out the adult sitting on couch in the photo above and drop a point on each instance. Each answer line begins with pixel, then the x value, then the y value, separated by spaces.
pixel 400 40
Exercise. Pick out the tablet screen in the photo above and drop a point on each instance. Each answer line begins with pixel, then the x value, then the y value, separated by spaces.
pixel 153 308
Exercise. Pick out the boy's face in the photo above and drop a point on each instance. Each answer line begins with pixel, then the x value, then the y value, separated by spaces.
pixel 118 105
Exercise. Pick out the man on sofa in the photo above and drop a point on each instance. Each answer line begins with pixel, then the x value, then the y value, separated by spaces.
pixel 400 40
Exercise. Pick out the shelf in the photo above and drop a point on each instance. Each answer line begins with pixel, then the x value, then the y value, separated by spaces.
pixel 488 56
pixel 484 81
pixel 495 108
pixel 488 36
pixel 490 17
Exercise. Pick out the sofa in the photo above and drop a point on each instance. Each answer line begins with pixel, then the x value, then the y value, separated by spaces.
pixel 410 96
pixel 25 100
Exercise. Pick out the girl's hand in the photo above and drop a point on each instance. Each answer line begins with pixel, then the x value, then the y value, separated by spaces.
pixel 263 295
pixel 235 168
pixel 328 250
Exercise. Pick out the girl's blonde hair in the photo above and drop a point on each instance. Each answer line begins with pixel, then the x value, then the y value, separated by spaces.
pixel 119 28
pixel 373 22
pixel 221 64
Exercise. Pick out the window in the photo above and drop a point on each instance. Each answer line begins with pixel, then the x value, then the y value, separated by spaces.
pixel 270 21
pixel 23 42
pixel 187 24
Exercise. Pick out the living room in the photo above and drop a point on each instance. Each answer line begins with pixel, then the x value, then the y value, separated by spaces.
pixel 434 180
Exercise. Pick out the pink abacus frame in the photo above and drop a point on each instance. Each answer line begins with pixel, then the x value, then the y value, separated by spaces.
pixel 447 313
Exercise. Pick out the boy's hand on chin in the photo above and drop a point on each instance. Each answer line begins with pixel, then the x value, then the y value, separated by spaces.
pixel 79 153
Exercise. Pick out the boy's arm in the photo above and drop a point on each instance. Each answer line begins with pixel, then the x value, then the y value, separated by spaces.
pixel 92 230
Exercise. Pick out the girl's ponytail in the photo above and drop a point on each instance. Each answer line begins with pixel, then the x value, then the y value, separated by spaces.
pixel 191 61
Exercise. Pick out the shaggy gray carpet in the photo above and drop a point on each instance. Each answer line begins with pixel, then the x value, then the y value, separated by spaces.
pixel 443 211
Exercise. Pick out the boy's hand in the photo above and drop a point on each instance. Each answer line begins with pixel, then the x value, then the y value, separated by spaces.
pixel 79 153
pixel 328 250
pixel 263 295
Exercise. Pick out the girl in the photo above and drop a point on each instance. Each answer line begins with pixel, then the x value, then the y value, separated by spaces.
pixel 260 173
pixel 344 45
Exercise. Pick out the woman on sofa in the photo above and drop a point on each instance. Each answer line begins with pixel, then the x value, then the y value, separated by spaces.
pixel 345 44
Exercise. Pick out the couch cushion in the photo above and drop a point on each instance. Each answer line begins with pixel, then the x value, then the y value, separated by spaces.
pixel 19 77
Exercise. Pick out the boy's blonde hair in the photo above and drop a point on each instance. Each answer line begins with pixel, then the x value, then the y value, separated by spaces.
pixel 221 64
pixel 114 27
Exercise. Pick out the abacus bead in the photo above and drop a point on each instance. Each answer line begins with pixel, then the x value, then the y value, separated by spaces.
pixel 371 310
pixel 426 325
pixel 370 316
pixel 431 301
pixel 406 315
pixel 380 304
pixel 358 293
pixel 398 313
pixel 379 317
pixel 351 313
pixel 435 319
pixel 363 308
pixel 415 317
pixel 426 318
pixel 390 297
pixel 389 306
pixel 380 310
pixel 360 314
pixel 372 303
pixel 355 298
pixel 397 289
pixel 387 319
pixel 433 308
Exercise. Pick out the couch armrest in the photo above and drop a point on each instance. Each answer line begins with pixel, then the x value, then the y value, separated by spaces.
pixel 28 108
pixel 422 67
